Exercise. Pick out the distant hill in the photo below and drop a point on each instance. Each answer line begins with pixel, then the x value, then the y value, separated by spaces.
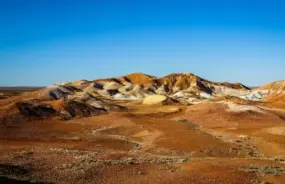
pixel 85 98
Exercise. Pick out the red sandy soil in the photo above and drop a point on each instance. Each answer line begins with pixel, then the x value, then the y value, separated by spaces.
pixel 147 144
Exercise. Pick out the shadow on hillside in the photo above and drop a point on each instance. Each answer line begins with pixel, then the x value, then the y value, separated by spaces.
pixel 7 180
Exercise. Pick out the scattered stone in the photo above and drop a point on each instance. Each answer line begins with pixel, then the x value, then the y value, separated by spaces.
pixel 266 170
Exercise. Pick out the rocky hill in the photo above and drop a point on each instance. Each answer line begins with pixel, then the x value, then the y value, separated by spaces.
pixel 85 98
pixel 184 87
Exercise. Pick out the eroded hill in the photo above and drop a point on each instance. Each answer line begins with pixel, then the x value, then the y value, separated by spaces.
pixel 142 129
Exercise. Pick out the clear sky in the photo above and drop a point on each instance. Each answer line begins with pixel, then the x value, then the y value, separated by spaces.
pixel 47 41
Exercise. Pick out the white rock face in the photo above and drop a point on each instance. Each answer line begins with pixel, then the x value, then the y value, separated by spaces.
pixel 198 89
pixel 242 108
pixel 256 95
pixel 205 95
pixel 161 90
pixel 179 94
pixel 120 96
pixel 223 90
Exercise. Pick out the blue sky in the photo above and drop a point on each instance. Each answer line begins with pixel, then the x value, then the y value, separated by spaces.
pixel 48 41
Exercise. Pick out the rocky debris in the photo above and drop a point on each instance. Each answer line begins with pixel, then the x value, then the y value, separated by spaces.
pixel 6 169
pixel 74 152
pixel 86 162
pixel 243 143
pixel 266 170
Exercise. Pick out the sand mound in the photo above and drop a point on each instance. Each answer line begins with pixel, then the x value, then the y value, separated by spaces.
pixel 157 99
pixel 154 99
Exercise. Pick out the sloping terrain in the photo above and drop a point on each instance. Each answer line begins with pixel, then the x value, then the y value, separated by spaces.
pixel 63 101
pixel 275 94
pixel 85 98
pixel 185 87
pixel 142 129
pixel 203 143
pixel 270 92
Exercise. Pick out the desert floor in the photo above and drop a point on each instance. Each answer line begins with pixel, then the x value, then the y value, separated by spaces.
pixel 147 144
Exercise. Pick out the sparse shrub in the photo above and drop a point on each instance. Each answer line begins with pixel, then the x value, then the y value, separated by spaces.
pixel 181 120
pixel 266 170
pixel 265 182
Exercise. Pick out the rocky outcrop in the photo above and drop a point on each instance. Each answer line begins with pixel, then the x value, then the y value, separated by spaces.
pixel 271 92
pixel 64 102
pixel 35 110
pixel 75 108
pixel 68 109
pixel 87 98
pixel 138 86
pixel 60 91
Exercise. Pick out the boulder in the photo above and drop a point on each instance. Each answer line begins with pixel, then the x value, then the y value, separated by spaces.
pixel 157 99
